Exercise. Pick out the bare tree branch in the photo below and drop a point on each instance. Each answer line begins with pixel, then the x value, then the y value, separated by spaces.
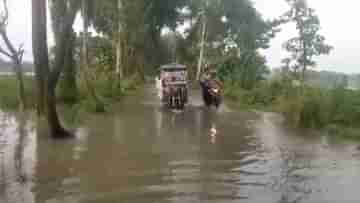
pixel 3 24
pixel 20 52
pixel 3 51
pixel 8 43
pixel 21 47
pixel 4 15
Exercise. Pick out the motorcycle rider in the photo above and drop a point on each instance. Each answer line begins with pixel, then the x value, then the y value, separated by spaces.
pixel 209 80
pixel 214 81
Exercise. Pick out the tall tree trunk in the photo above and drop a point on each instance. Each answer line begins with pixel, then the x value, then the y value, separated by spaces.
pixel 46 81
pixel 84 47
pixel 119 68
pixel 300 26
pixel 68 86
pixel 40 48
pixel 202 48
pixel 303 73
pixel 85 59
pixel 21 88
pixel 55 127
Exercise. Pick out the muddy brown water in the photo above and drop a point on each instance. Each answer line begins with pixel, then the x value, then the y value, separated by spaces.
pixel 143 153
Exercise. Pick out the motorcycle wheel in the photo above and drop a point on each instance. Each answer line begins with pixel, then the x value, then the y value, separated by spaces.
pixel 217 101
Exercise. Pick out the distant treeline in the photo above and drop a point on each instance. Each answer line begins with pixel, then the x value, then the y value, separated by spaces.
pixel 6 66
pixel 327 79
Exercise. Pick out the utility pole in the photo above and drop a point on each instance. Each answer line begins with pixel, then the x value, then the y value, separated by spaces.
pixel 119 69
pixel 202 45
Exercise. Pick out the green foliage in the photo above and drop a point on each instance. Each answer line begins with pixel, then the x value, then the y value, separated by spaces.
pixel 319 108
pixel 309 43
pixel 142 22
pixel 115 90
pixel 67 93
pixel 264 95
pixel 234 27
pixel 343 132
pixel 101 54
pixel 344 107
pixel 305 107
pixel 246 71
pixel 9 92
pixel 302 106
pixel 313 112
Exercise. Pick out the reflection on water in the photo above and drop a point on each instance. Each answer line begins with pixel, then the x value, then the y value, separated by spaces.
pixel 17 158
pixel 144 153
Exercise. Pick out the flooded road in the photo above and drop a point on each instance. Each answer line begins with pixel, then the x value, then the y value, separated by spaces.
pixel 143 153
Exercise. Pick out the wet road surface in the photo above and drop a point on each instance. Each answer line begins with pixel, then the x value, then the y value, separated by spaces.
pixel 143 153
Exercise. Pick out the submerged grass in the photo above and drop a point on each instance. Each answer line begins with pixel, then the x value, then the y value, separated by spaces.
pixel 343 132
pixel 335 110
pixel 108 93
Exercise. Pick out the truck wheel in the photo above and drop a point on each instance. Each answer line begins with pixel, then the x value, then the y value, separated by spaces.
pixel 185 96
pixel 173 102
pixel 182 103
pixel 170 101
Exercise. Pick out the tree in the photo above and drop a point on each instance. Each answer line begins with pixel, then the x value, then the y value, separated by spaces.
pixel 68 86
pixel 141 23
pixel 245 71
pixel 236 26
pixel 309 43
pixel 87 13
pixel 47 79
pixel 14 54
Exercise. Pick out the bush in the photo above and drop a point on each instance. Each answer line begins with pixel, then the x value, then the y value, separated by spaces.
pixel 263 95
pixel 305 107
pixel 317 108
pixel 232 91
pixel 107 90
pixel 111 89
pixel 344 107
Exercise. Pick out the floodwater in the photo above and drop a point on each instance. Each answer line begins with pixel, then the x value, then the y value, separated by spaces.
pixel 143 153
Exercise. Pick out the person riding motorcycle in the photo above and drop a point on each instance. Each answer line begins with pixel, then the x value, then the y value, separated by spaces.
pixel 209 83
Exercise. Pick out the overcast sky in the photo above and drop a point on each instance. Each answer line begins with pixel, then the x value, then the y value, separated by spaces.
pixel 340 25
pixel 339 21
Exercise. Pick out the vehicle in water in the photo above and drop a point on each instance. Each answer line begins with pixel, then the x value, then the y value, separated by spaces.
pixel 211 92
pixel 174 86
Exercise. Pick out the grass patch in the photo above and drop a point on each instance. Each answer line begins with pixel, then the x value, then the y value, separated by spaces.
pixel 262 97
pixel 9 92
pixel 343 132
pixel 335 110
pixel 107 91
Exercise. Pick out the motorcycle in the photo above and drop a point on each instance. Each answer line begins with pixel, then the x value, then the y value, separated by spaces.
pixel 212 94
